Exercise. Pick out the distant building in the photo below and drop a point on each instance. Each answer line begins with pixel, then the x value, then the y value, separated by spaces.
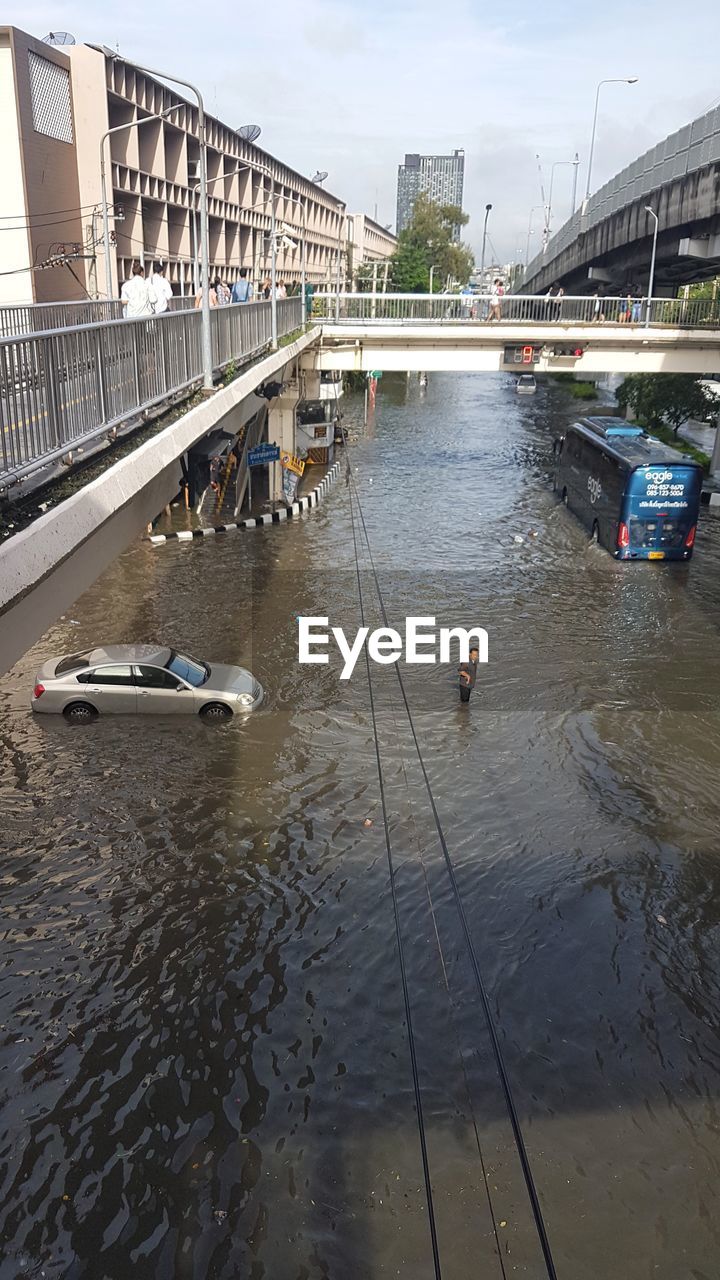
pixel 369 247
pixel 440 177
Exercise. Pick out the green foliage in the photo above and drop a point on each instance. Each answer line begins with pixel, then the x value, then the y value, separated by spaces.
pixel 578 390
pixel 657 398
pixel 410 272
pixel 428 241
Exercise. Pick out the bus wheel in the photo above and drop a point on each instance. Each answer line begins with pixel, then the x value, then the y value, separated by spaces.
pixel 595 535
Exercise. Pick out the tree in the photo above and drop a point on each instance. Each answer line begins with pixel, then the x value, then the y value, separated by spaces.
pixel 409 268
pixel 428 242
pixel 656 398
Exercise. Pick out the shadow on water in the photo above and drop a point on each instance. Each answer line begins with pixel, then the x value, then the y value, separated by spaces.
pixel 205 1062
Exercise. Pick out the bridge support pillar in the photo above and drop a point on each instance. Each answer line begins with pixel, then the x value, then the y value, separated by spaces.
pixel 281 431
pixel 715 460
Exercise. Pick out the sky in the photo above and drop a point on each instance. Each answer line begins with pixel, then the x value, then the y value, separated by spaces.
pixel 350 85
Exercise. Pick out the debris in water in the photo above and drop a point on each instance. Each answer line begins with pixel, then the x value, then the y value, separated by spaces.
pixel 368 822
pixel 518 537
pixel 661 920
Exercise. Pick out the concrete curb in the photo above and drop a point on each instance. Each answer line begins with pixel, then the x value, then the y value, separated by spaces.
pixel 254 522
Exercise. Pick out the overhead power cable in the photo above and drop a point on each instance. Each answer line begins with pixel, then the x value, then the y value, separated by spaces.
pixel 398 937
pixel 510 1103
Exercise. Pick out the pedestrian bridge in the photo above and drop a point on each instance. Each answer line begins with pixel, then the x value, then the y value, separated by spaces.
pixel 364 332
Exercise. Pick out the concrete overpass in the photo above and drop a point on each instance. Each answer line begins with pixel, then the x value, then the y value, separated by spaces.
pixel 609 241
pixel 363 332
pixel 51 403
pixel 46 566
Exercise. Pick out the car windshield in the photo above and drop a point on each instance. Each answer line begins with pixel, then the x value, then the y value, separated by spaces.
pixel 196 673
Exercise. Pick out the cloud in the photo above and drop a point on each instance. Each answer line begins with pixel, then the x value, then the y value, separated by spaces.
pixel 351 85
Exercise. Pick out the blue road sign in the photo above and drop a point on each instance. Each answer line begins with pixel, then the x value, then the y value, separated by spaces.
pixel 263 453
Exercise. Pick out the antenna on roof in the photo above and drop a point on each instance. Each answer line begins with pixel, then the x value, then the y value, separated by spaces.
pixel 319 177
pixel 58 37
pixel 249 132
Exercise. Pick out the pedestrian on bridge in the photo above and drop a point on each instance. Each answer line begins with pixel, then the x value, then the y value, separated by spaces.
pixel 495 300
pixel 160 288
pixel 242 290
pixel 137 295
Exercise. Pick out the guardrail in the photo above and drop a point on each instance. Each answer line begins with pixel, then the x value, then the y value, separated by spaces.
pixel 439 308
pixel 37 317
pixel 64 388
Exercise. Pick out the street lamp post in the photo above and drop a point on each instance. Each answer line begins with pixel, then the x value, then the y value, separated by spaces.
pixel 488 207
pixel 616 80
pixel 529 232
pixel 119 128
pixel 303 251
pixel 433 268
pixel 341 225
pixel 651 281
pixel 548 212
pixel 207 363
pixel 273 237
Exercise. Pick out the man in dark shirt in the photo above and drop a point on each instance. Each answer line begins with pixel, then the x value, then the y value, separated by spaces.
pixel 468 675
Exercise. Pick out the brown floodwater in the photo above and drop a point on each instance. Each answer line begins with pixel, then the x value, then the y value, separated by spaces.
pixel 203 1042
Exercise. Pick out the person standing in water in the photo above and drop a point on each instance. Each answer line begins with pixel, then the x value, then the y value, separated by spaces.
pixel 468 674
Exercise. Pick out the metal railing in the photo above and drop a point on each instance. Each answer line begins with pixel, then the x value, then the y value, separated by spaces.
pixel 438 308
pixel 61 389
pixel 37 317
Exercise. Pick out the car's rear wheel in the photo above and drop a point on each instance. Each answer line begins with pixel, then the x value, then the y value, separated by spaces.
pixel 215 712
pixel 80 713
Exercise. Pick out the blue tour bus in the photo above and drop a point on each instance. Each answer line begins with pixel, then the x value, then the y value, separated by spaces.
pixel 639 498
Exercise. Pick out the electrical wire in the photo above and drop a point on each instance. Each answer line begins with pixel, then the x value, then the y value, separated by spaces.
pixel 398 936
pixel 454 1011
pixel 22 218
pixel 479 981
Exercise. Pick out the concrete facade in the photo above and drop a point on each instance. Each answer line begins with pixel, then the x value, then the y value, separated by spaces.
pixel 40 194
pixel 368 243
pixel 53 121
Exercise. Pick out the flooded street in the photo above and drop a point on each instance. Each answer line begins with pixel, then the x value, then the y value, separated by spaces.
pixel 205 1061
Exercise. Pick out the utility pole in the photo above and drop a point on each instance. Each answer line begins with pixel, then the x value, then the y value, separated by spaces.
pixel 488 207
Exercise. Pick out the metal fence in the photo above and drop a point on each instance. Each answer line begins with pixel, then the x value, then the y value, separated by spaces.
pixel 438 308
pixel 37 317
pixel 61 389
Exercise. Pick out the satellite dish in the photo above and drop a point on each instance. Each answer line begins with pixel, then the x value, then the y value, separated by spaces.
pixel 320 176
pixel 249 132
pixel 58 37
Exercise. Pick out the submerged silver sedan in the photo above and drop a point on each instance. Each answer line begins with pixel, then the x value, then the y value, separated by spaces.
pixel 129 678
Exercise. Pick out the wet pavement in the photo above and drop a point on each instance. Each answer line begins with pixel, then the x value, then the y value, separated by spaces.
pixel 205 1062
